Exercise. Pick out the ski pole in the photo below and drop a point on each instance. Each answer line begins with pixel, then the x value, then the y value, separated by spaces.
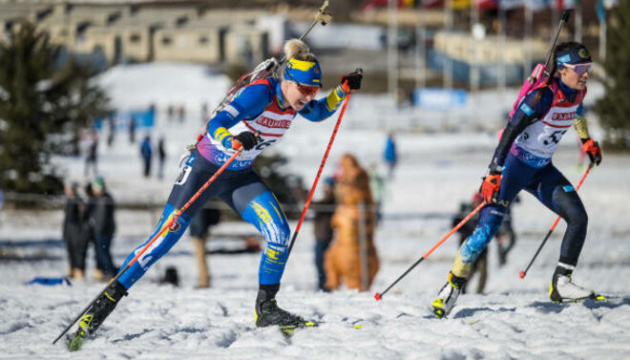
pixel 319 173
pixel 379 296
pixel 523 273
pixel 164 228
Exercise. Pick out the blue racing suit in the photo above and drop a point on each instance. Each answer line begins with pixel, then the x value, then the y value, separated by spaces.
pixel 258 107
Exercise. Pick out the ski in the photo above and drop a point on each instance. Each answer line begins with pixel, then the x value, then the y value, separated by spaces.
pixel 594 297
pixel 75 343
pixel 287 330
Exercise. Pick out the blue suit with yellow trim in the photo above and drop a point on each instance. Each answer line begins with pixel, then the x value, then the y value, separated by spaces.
pixel 240 188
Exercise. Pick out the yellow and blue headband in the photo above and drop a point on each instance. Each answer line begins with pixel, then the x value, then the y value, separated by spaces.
pixel 303 72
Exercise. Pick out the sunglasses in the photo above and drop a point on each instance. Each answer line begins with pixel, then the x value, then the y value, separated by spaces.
pixel 579 69
pixel 305 90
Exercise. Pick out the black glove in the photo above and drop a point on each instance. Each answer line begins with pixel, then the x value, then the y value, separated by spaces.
pixel 247 139
pixel 353 81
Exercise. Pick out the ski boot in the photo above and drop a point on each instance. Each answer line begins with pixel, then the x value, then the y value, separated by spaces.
pixel 96 314
pixel 447 297
pixel 268 313
pixel 563 289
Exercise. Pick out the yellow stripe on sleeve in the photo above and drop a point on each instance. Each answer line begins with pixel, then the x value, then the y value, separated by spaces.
pixel 220 134
pixel 334 98
pixel 581 127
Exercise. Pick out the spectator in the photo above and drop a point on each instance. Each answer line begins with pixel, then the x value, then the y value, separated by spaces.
pixel 199 230
pixel 506 237
pixel 147 154
pixel 390 155
pixel 161 157
pixel 132 130
pixel 87 221
pixel 76 244
pixel 111 130
pixel 323 209
pixel 170 113
pixel 91 158
pixel 181 112
pixel 104 228
pixel 343 258
pixel 377 187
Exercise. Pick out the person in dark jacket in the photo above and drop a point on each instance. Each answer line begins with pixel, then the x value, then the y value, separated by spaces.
pixel 104 228
pixel 147 154
pixel 91 159
pixel 76 244
pixel 161 157
pixel 87 222
pixel 322 227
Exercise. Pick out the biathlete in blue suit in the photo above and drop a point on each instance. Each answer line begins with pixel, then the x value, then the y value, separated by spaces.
pixel 522 161
pixel 257 118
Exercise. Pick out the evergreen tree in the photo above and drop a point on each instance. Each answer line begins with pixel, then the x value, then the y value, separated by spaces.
pixel 42 110
pixel 614 107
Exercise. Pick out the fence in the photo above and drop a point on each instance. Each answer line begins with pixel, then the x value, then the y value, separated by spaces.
pixel 132 220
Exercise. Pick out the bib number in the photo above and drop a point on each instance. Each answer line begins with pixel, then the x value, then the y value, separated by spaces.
pixel 555 137
pixel 183 175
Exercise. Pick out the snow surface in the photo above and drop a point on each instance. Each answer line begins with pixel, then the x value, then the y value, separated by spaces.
pixel 514 319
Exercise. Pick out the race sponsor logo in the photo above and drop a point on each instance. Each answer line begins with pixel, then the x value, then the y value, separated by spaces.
pixel 271 123
pixel 563 116
pixel 231 110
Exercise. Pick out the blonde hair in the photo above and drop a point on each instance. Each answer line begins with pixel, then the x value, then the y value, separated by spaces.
pixel 297 49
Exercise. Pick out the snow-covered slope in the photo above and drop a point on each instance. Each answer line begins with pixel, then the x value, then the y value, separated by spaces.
pixel 514 319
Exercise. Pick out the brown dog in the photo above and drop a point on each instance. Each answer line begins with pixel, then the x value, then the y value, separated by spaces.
pixel 342 260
